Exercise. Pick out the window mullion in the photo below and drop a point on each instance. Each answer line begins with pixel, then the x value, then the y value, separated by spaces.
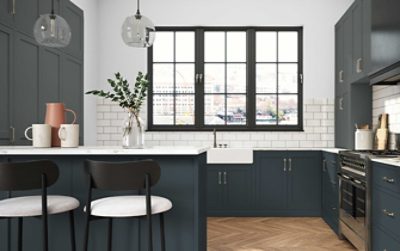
pixel 199 88
pixel 251 79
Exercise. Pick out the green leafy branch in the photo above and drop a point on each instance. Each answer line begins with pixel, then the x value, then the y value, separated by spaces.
pixel 131 100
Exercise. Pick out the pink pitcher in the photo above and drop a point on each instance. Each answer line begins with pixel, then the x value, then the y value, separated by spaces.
pixel 55 116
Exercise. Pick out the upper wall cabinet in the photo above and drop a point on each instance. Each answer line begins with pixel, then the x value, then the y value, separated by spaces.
pixel 74 16
pixel 7 9
pixel 25 16
pixel 5 80
pixel 353 44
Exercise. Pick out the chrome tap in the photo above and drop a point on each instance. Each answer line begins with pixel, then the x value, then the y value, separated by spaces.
pixel 215 138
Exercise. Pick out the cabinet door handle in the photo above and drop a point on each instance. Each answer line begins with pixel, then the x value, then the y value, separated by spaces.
pixel 388 213
pixel 219 178
pixel 359 65
pixel 284 164
pixel 388 180
pixel 225 182
pixel 341 76
pixel 12 135
pixel 324 165
pixel 14 8
pixel 341 104
pixel 290 164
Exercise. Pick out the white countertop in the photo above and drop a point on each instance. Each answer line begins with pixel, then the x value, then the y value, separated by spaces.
pixel 104 150
pixel 388 161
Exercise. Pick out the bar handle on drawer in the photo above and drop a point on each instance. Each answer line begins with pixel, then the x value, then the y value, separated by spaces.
pixel 284 164
pixel 290 164
pixel 219 178
pixel 388 180
pixel 388 213
pixel 225 181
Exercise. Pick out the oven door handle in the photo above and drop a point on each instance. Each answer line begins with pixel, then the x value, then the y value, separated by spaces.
pixel 346 178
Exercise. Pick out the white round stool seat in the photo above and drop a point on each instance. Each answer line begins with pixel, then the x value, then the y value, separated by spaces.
pixel 128 206
pixel 29 206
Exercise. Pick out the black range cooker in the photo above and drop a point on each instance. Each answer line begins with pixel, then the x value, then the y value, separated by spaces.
pixel 355 195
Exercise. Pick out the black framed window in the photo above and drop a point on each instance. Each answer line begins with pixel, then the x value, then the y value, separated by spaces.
pixel 230 78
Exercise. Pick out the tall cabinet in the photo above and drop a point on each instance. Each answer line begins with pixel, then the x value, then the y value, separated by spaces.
pixel 353 94
pixel 31 75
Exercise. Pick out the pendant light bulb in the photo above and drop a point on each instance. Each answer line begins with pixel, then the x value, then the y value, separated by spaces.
pixel 138 30
pixel 52 30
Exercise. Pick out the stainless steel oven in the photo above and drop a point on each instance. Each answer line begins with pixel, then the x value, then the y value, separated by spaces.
pixel 354 200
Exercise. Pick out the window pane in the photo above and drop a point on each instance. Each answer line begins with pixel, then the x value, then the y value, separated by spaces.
pixel 288 46
pixel 236 46
pixel 184 78
pixel 236 78
pixel 164 48
pixel 184 46
pixel 236 110
pixel 266 49
pixel 214 46
pixel 185 109
pixel 163 78
pixel 288 113
pixel 266 110
pixel 163 110
pixel 214 109
pixel 266 79
pixel 214 78
pixel 287 78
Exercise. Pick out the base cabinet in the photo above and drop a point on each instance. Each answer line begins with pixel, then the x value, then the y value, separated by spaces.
pixel 330 190
pixel 279 183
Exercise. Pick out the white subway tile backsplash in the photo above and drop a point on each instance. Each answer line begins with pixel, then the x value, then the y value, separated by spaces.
pixel 318 120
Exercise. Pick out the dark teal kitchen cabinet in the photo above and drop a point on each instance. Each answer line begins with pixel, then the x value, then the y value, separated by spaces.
pixel 304 182
pixel 229 189
pixel 74 16
pixel 6 43
pixel 385 207
pixel 271 180
pixel 330 190
pixel 31 75
pixel 6 12
pixel 279 183
pixel 26 14
pixel 25 86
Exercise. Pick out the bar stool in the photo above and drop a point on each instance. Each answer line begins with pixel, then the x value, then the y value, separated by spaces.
pixel 119 176
pixel 21 176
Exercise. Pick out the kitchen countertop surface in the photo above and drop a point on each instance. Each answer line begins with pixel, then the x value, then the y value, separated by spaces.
pixel 388 161
pixel 112 150
pixel 103 150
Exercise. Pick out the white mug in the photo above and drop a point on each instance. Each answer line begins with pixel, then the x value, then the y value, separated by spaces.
pixel 69 135
pixel 41 135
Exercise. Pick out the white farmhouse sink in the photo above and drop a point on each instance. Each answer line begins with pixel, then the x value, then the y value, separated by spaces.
pixel 230 156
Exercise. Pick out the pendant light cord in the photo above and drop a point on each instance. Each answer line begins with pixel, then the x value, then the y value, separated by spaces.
pixel 138 7
pixel 52 7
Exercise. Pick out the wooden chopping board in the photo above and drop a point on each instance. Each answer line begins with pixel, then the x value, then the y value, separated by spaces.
pixel 382 133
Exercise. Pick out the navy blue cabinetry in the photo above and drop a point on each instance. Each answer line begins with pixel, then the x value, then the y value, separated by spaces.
pixel 182 181
pixel 230 189
pixel 279 183
pixel 385 207
pixel 330 190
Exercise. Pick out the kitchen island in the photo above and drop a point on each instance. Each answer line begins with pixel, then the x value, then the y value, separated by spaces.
pixel 183 181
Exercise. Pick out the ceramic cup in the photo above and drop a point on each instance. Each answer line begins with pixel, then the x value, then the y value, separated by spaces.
pixel 41 135
pixel 69 135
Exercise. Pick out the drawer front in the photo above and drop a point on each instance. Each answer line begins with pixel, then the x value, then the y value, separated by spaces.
pixel 387 177
pixel 383 242
pixel 386 211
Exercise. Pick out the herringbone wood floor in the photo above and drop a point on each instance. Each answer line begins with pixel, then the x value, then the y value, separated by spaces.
pixel 272 234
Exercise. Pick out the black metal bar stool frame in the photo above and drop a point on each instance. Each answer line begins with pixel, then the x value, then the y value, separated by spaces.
pixel 22 176
pixel 123 176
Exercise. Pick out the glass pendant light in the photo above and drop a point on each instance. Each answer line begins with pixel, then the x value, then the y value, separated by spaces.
pixel 51 30
pixel 138 30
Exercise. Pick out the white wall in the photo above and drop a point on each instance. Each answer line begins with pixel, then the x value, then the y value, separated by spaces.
pixel 91 56
pixel 317 16
pixel 108 53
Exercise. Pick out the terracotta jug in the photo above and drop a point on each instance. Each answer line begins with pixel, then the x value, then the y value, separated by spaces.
pixel 55 116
